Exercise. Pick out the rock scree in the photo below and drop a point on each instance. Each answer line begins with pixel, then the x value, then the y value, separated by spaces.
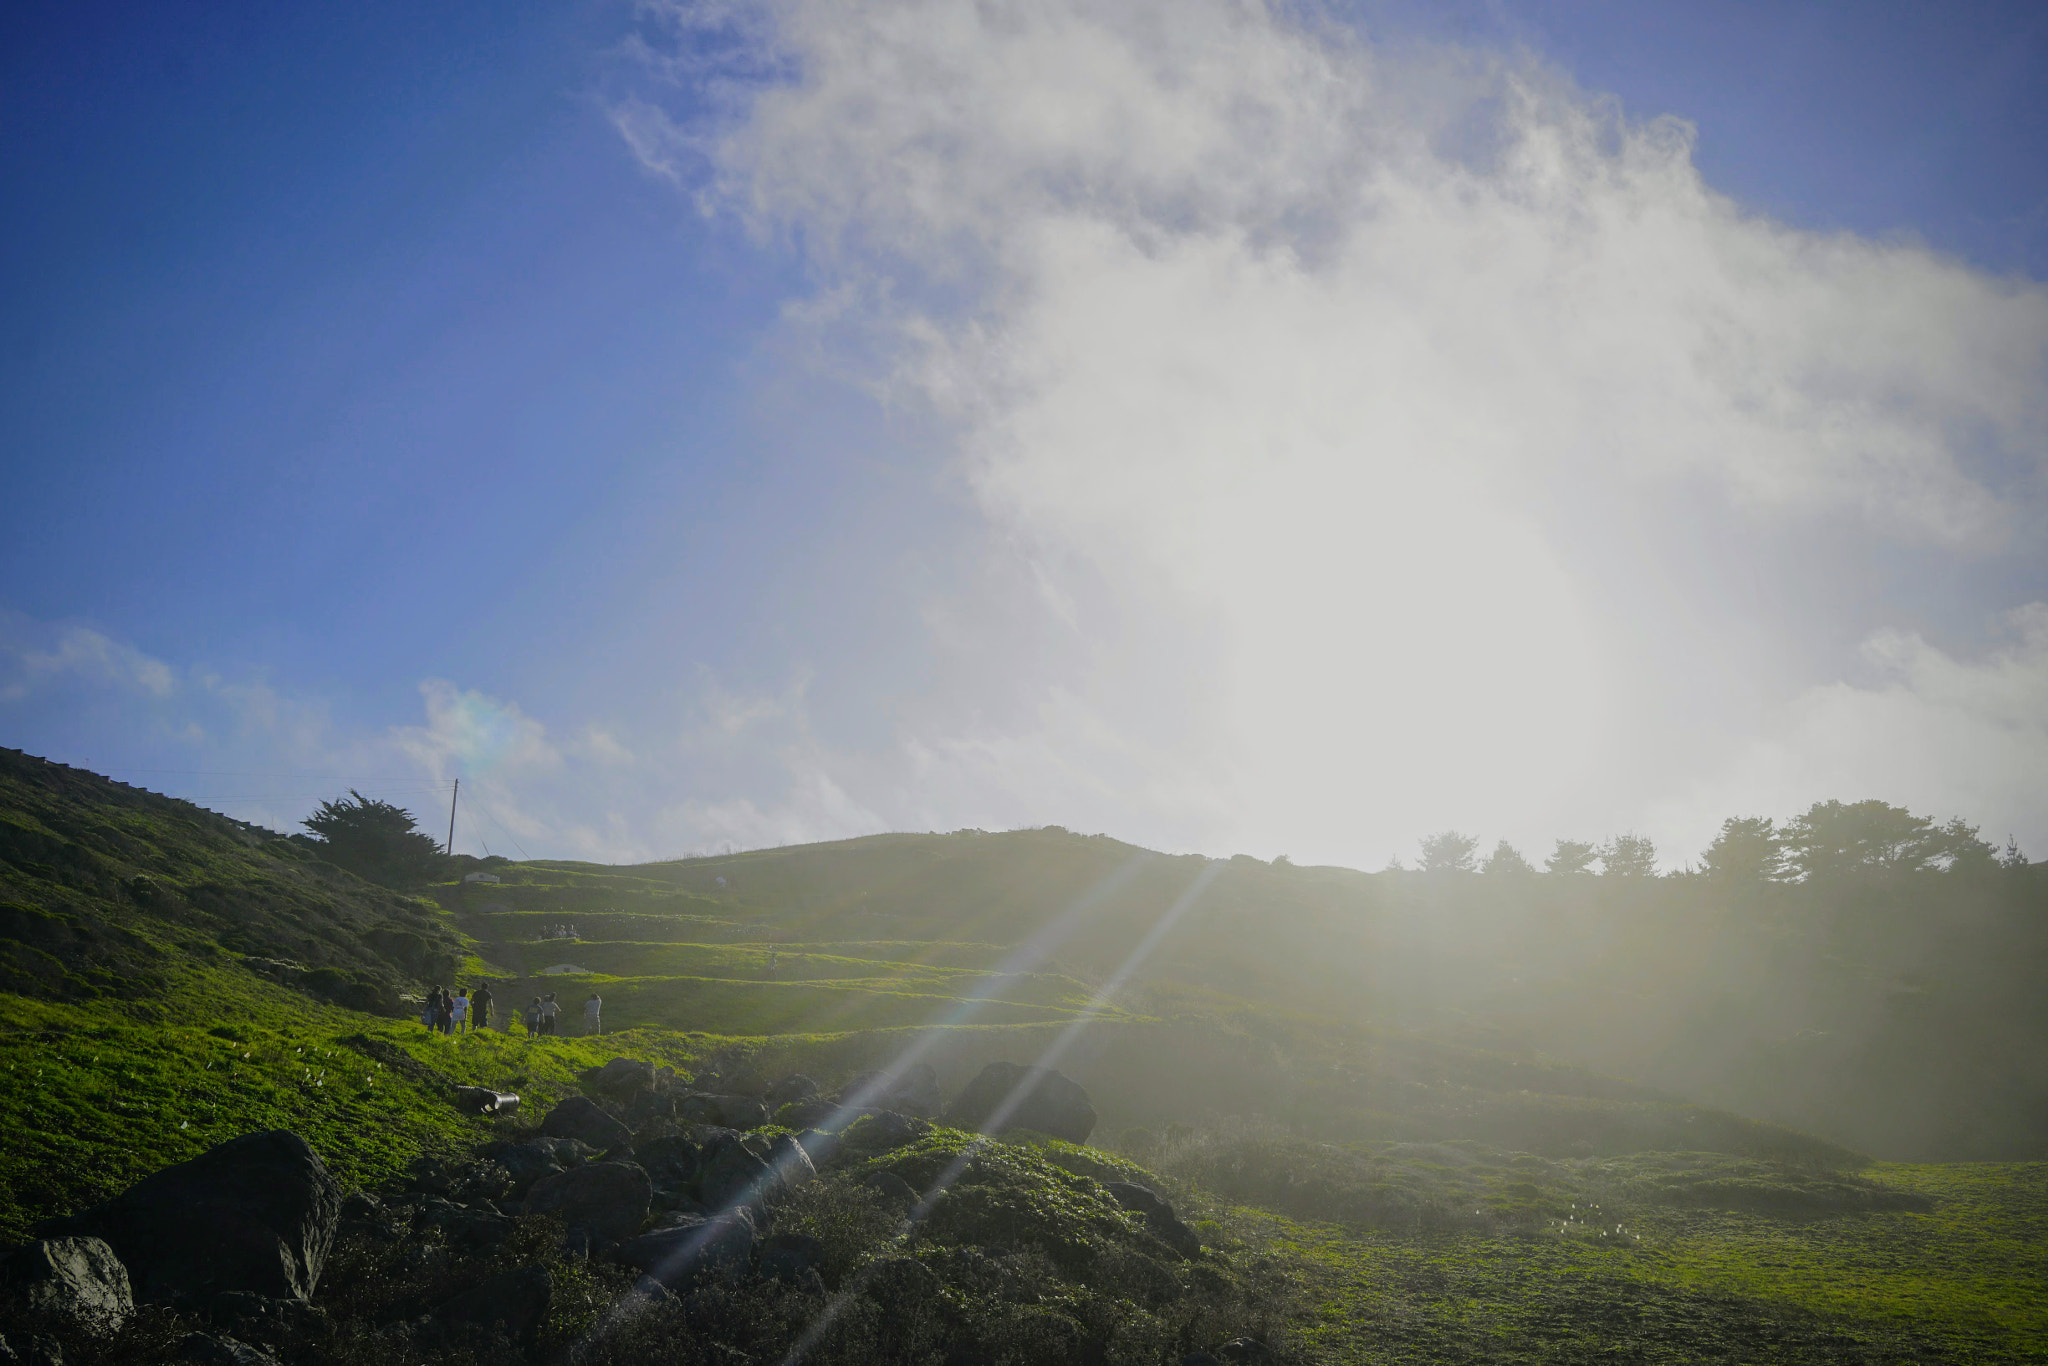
pixel 583 1119
pixel 1158 1213
pixel 621 1077
pixel 1008 1095
pixel 693 1245
pixel 78 1278
pixel 609 1199
pixel 255 1214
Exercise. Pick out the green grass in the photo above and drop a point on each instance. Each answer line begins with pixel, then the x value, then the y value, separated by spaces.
pixel 1418 1199
pixel 1527 1259
pixel 1971 1269
pixel 781 963
pixel 94 1096
pixel 741 1007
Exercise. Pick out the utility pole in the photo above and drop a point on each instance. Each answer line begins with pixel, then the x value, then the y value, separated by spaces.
pixel 451 814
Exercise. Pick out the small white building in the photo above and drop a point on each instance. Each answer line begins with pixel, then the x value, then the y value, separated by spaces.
pixel 481 877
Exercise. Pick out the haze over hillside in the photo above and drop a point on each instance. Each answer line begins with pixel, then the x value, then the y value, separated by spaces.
pixel 1400 1108
pixel 1899 1014
pixel 1893 1012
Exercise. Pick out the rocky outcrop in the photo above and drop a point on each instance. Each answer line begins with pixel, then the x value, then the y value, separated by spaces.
pixel 647 1107
pixel 671 1161
pixel 583 1119
pixel 526 1163
pixel 734 1169
pixel 1157 1210
pixel 621 1078
pixel 209 1349
pixel 731 1112
pixel 608 1199
pixel 793 1087
pixel 77 1278
pixel 1008 1095
pixel 256 1215
pixel 691 1246
pixel 790 1163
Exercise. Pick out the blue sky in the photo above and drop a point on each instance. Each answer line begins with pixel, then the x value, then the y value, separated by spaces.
pixel 541 395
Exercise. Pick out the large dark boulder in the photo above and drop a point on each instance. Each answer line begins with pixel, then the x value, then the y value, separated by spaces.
pixel 734 1169
pixel 256 1214
pixel 526 1163
pixel 670 1159
pixel 875 1130
pixel 647 1107
pixel 692 1246
pixel 806 1114
pixel 1158 1213
pixel 861 1131
pixel 731 1112
pixel 609 1199
pixel 1008 1095
pixel 790 1163
pixel 583 1119
pixel 76 1278
pixel 621 1077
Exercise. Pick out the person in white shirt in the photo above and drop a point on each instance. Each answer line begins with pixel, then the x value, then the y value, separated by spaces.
pixel 591 1023
pixel 460 1010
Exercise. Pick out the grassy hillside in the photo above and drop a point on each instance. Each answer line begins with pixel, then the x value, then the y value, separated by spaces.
pixel 1411 1195
pixel 107 891
pixel 1899 1015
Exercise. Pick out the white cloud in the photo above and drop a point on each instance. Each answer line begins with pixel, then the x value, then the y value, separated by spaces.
pixel 1363 443
pixel 1941 735
pixel 1356 413
pixel 468 731
pixel 35 657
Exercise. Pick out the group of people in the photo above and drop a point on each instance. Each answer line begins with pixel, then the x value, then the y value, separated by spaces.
pixel 543 1011
pixel 559 932
pixel 451 1012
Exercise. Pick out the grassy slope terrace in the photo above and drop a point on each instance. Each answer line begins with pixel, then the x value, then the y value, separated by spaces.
pixel 1425 1201
pixel 676 960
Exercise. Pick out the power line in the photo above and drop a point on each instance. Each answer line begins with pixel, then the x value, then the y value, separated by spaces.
pixel 293 796
pixel 499 827
pixel 262 773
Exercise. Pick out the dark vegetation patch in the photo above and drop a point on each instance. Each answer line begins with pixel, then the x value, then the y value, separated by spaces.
pixel 1463 1184
pixel 1717 1181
